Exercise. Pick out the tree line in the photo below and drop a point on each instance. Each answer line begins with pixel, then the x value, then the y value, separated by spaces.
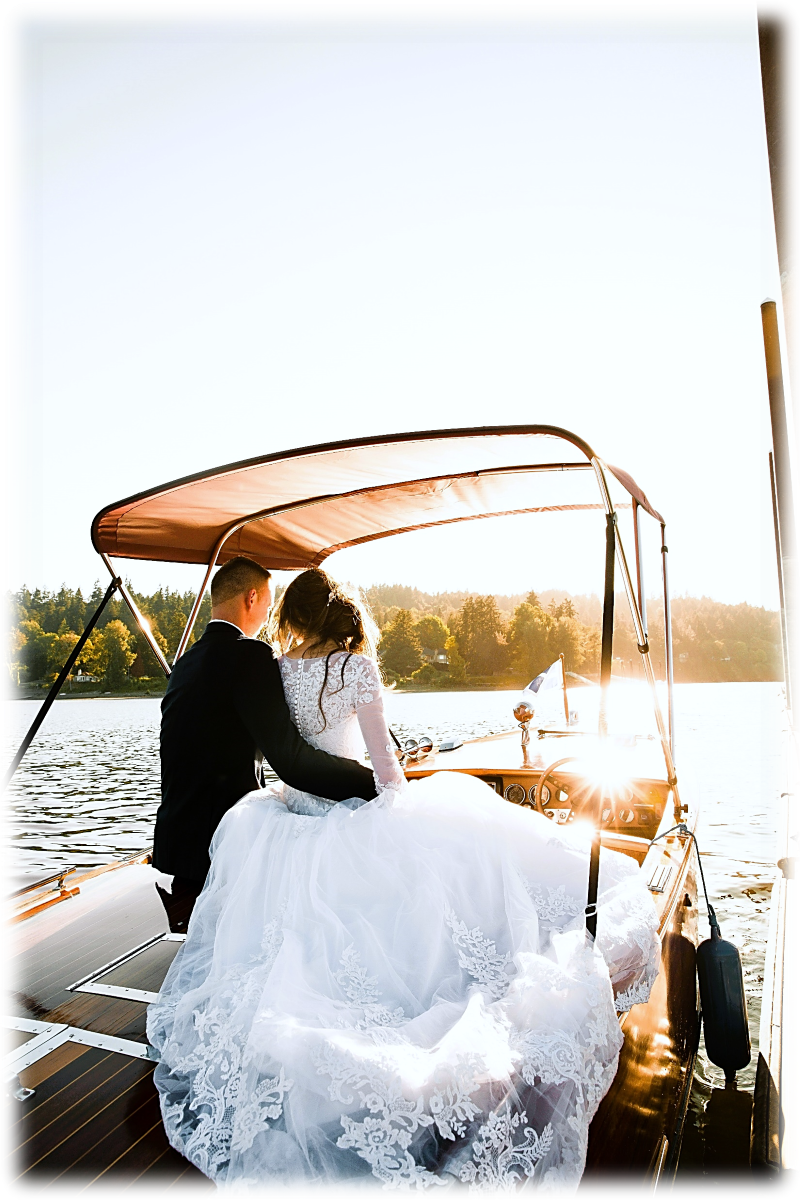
pixel 451 639
pixel 477 642
pixel 511 639
pixel 45 627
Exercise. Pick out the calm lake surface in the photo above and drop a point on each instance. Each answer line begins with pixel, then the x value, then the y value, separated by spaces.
pixel 88 789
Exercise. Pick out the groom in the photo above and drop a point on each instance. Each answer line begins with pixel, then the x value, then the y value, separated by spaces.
pixel 224 712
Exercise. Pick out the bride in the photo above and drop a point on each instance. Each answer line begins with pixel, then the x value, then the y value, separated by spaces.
pixel 398 991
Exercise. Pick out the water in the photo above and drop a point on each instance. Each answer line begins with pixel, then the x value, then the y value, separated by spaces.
pixel 88 789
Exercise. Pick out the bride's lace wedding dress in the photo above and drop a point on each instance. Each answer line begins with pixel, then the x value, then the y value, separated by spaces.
pixel 399 991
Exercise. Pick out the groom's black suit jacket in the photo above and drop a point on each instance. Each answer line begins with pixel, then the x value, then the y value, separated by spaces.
pixel 223 712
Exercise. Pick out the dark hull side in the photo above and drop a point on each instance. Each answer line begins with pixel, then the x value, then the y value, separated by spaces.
pixel 638 1128
pixel 94 1118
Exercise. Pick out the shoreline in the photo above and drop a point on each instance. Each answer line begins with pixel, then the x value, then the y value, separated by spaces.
pixel 400 690
pixel 143 695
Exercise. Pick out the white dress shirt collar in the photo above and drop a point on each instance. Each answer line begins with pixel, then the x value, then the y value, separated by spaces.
pixel 222 621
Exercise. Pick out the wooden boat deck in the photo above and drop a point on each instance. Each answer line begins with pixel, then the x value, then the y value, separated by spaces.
pixel 94 1116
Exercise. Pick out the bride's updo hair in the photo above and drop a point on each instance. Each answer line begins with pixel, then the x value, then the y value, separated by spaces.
pixel 318 611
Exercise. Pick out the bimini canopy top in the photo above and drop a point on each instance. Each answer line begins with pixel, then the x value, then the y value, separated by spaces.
pixel 293 509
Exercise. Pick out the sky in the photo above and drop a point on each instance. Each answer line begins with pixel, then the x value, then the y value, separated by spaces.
pixel 245 237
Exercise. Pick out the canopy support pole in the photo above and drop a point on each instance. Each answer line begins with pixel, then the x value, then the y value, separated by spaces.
pixel 781 596
pixel 642 643
pixel 637 534
pixel 668 656
pixel 212 562
pixel 606 652
pixel 60 681
pixel 187 632
pixel 607 642
pixel 783 494
pixel 143 624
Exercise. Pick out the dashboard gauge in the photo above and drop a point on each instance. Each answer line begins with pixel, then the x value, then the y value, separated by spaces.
pixel 550 812
pixel 545 794
pixel 626 816
pixel 515 793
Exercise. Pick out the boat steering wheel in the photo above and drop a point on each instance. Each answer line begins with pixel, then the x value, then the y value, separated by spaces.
pixel 580 798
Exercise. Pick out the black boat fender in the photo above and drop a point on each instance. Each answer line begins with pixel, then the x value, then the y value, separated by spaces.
pixel 723 1003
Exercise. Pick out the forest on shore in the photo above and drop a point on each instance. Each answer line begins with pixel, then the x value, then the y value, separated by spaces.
pixel 443 640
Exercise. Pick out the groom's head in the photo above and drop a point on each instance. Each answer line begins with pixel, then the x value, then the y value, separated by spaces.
pixel 241 593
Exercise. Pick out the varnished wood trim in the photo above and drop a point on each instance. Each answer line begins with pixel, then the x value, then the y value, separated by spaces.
pixel 31 912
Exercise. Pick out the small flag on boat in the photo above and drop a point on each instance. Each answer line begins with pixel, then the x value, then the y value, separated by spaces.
pixel 553 677
pixel 545 691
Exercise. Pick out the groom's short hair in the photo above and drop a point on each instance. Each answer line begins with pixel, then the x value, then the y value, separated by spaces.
pixel 236 577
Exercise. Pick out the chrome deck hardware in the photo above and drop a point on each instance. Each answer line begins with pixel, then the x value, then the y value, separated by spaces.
pixel 660 878
pixel 16 1091
pixel 524 714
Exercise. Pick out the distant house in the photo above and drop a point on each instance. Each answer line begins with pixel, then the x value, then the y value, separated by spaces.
pixel 435 656
pixel 81 678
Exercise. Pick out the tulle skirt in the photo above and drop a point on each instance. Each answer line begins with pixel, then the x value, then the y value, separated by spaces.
pixel 398 993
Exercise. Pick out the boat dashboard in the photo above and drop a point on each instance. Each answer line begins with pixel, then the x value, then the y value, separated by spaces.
pixel 560 776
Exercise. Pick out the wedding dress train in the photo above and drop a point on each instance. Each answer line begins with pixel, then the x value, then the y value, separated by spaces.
pixel 399 991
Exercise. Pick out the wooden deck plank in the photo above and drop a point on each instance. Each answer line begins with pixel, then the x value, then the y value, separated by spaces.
pixel 16 1038
pixel 55 948
pixel 138 1157
pixel 90 1097
pixel 171 1170
pixel 48 1080
pixel 45 982
pixel 114 1132
pixel 147 970
pixel 20 1004
pixel 103 1014
pixel 164 1171
pixel 191 1183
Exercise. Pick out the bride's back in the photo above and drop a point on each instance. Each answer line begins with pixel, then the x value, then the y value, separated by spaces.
pixel 324 694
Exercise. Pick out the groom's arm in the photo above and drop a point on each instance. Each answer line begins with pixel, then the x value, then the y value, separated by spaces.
pixel 257 694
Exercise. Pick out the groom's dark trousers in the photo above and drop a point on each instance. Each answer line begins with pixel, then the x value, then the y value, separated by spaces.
pixel 224 712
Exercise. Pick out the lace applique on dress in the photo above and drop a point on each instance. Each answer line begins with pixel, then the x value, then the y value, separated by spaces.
pixel 383 1138
pixel 554 907
pixel 352 681
pixel 500 1161
pixel 637 993
pixel 626 934
pixel 628 939
pixel 362 990
pixel 480 957
pixel 225 1114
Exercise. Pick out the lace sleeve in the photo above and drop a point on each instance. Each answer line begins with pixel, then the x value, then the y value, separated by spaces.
pixel 372 722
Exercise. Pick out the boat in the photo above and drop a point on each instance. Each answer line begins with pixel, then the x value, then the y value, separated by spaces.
pixel 775 1143
pixel 92 949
